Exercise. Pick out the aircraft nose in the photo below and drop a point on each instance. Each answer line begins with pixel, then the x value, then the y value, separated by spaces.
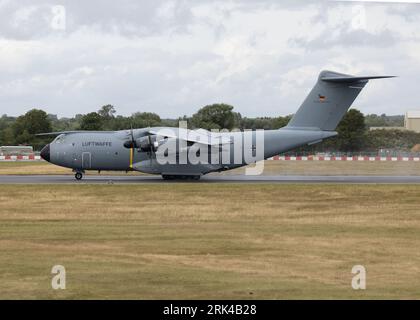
pixel 45 153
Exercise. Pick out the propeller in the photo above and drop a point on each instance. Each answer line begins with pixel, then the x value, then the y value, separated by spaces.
pixel 153 146
pixel 131 143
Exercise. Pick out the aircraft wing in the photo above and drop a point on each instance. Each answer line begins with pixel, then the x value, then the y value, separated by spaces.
pixel 197 136
pixel 56 133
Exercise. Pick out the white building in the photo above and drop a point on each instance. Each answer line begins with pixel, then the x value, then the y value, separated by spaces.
pixel 16 150
pixel 412 120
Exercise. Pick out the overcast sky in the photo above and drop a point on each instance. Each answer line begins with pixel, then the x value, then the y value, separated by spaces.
pixel 173 57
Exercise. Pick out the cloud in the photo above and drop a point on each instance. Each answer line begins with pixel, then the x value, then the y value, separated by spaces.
pixel 33 19
pixel 349 38
pixel 172 57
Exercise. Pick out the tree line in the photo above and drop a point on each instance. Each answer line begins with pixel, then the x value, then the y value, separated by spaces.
pixel 354 134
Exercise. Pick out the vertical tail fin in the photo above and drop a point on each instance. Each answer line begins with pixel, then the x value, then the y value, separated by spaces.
pixel 329 100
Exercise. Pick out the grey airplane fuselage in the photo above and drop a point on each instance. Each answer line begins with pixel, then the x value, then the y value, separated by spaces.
pixel 105 151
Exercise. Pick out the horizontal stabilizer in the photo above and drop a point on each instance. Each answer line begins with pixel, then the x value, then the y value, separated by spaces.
pixel 350 79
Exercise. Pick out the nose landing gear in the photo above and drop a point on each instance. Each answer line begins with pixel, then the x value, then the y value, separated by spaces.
pixel 78 175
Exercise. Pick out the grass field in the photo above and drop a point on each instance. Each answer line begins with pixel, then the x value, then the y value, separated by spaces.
pixel 270 168
pixel 170 241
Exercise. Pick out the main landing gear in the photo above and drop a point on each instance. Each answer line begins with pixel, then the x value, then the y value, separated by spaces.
pixel 181 177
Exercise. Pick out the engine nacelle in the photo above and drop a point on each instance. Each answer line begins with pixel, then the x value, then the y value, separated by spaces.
pixel 146 143
pixel 149 143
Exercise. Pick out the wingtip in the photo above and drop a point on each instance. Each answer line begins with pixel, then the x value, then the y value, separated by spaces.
pixel 385 77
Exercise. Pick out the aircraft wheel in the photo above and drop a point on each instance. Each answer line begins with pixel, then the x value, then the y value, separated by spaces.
pixel 78 176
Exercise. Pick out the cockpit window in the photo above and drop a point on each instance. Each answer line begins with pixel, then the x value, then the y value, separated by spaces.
pixel 60 138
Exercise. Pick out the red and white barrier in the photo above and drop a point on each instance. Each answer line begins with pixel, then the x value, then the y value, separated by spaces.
pixel 344 158
pixel 31 157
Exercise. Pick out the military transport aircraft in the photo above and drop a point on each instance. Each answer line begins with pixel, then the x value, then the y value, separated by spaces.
pixel 179 153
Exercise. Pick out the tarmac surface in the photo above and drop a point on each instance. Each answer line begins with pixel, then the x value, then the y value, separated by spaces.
pixel 125 179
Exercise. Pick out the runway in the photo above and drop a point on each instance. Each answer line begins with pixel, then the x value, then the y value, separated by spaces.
pixel 122 179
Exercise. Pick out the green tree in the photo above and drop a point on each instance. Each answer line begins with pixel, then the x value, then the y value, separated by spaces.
pixel 7 136
pixel 351 131
pixel 145 119
pixel 107 112
pixel 373 120
pixel 265 123
pixel 392 140
pixel 215 116
pixel 25 138
pixel 25 127
pixel 280 122
pixel 34 121
pixel 120 123
pixel 6 131
pixel 91 121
